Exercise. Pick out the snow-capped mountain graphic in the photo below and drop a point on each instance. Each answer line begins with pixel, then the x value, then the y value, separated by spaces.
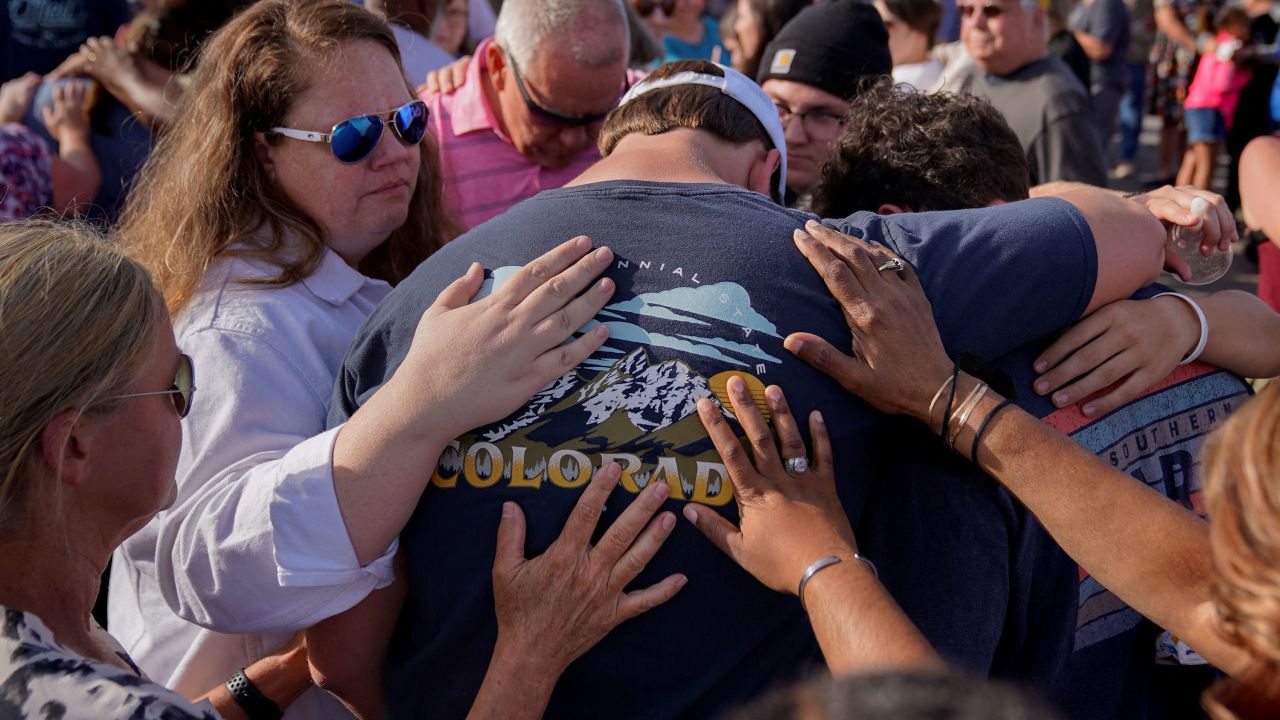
pixel 651 397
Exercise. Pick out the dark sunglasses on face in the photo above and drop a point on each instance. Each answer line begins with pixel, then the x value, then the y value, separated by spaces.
pixel 645 8
pixel 550 117
pixel 988 11
pixel 182 390
pixel 352 140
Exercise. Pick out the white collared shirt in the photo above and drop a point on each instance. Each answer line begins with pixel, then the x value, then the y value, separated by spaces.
pixel 255 543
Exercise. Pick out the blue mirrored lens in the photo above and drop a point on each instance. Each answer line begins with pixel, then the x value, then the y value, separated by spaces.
pixel 411 122
pixel 354 139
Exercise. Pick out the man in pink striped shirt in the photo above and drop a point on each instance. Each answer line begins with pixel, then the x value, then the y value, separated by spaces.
pixel 528 114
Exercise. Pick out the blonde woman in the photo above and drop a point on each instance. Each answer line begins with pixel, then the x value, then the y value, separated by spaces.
pixel 296 190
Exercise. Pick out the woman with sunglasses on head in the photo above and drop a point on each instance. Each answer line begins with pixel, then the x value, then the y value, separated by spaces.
pixel 274 218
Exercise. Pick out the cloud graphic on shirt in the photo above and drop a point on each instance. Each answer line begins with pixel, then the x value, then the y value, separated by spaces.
pixel 723 301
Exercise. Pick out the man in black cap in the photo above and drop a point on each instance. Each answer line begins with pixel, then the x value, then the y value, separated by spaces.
pixel 811 70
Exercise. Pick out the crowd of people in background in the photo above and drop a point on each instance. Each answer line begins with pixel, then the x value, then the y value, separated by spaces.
pixel 638 358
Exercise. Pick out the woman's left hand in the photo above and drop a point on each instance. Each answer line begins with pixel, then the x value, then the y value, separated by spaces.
pixel 898 360
pixel 554 607
pixel 788 519
pixel 1140 341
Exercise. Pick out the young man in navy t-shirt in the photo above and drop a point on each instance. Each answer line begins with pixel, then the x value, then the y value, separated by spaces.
pixel 708 285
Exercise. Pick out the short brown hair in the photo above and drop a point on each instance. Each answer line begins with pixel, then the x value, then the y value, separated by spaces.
pixel 923 152
pixel 698 107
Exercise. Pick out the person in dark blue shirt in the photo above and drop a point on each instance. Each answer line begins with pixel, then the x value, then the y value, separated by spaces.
pixel 708 284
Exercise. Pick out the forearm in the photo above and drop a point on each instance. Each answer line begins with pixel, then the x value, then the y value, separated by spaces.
pixel 154 100
pixel 348 651
pixel 859 626
pixel 382 461
pixel 1150 552
pixel 1244 334
pixel 281 678
pixel 1168 22
pixel 1097 49
pixel 513 688
pixel 1129 241
pixel 76 175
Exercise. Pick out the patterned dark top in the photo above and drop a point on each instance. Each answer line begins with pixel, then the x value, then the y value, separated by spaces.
pixel 41 679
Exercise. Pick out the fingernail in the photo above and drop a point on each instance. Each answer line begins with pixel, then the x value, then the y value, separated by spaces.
pixel 1060 399
pixel 690 514
pixel 681 581
pixel 603 253
pixel 800 235
pixel 582 243
pixel 612 471
pixel 605 286
pixel 817 417
pixel 508 509
pixel 1042 386
pixel 667 520
pixel 774 393
pixel 601 331
pixel 1041 366
pixel 660 490
pixel 810 224
pixel 793 344
pixel 1089 410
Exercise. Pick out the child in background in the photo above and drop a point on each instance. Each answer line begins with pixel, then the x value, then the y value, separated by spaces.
pixel 31 177
pixel 1212 97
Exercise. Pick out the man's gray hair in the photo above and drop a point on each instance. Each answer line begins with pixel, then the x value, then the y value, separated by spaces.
pixel 583 26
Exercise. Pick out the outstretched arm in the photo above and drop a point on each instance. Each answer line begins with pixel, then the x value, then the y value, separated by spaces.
pixel 1150 552
pixel 1136 343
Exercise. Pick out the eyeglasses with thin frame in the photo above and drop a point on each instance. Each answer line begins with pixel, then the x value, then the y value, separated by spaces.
pixel 645 8
pixel 969 10
pixel 352 140
pixel 551 117
pixel 817 123
pixel 182 391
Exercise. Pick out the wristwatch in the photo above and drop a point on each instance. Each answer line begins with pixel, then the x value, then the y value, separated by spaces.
pixel 254 704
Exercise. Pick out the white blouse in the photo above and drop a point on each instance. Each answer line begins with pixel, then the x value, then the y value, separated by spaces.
pixel 254 546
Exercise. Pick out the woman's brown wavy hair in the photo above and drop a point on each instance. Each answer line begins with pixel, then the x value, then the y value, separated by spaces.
pixel 1242 497
pixel 203 188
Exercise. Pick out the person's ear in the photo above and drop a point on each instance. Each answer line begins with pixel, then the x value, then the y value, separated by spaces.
pixel 264 151
pixel 64 446
pixel 760 174
pixel 496 62
pixel 891 209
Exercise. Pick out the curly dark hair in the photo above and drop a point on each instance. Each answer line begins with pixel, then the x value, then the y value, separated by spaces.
pixel 921 152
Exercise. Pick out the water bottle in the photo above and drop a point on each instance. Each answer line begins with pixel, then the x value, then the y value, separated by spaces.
pixel 1184 241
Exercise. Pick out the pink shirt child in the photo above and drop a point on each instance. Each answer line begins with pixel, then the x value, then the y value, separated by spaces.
pixel 1218 83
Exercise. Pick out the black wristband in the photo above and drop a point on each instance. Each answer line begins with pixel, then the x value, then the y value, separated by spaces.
pixel 973 451
pixel 254 704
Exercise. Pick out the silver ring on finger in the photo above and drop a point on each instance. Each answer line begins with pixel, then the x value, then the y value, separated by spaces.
pixel 796 465
pixel 894 264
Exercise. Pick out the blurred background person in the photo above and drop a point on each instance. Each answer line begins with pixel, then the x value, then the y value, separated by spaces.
pixel 683 27
pixel 1210 108
pixel 755 25
pixel 1101 27
pixel 1134 103
pixel 31 177
pixel 913 28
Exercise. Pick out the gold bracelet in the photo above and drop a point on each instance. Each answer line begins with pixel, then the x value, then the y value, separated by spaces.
pixel 965 410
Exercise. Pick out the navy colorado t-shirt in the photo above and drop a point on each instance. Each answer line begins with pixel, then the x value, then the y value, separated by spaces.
pixel 708 284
